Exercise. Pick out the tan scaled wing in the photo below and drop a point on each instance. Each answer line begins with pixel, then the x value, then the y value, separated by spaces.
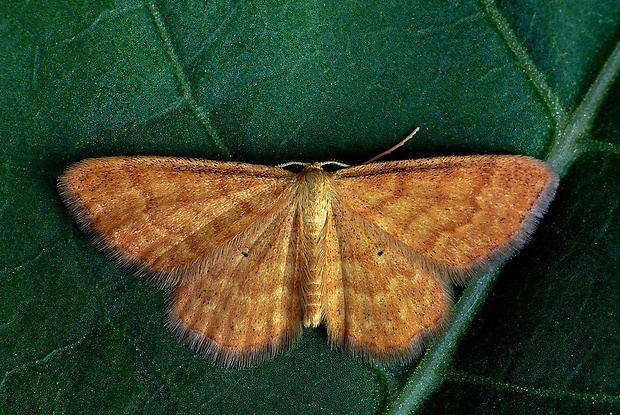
pixel 158 215
pixel 222 237
pixel 380 299
pixel 463 213
pixel 243 303
pixel 399 232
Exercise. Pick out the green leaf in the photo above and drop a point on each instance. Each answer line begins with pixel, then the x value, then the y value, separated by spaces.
pixel 278 81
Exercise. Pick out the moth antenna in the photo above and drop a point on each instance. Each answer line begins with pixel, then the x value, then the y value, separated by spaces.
pixel 335 163
pixel 321 164
pixel 400 144
pixel 291 163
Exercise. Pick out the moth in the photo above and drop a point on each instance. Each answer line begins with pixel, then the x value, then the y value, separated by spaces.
pixel 251 254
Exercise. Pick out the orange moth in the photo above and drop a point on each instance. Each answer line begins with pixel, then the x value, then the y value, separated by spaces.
pixel 250 254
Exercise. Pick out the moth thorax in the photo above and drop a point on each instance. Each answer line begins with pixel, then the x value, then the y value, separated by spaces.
pixel 314 187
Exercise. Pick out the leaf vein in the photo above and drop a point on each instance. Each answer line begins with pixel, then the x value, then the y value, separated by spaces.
pixel 186 89
pixel 525 61
pixel 553 393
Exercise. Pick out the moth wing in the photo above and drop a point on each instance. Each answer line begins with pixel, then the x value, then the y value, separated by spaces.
pixel 380 299
pixel 159 215
pixel 463 214
pixel 242 303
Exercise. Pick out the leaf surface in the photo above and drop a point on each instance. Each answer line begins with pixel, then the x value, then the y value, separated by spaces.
pixel 278 81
